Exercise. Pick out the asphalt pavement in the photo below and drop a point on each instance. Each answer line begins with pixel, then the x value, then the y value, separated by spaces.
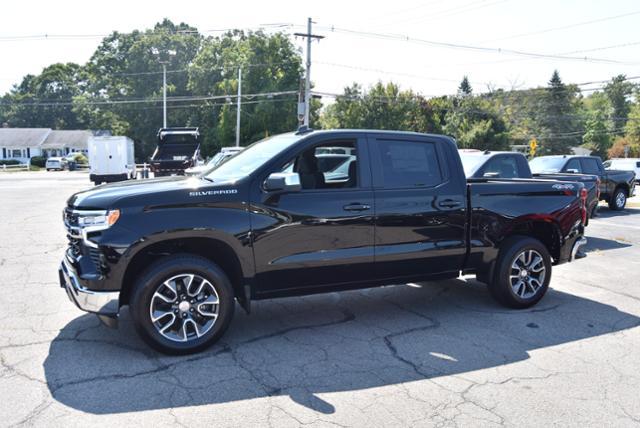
pixel 428 354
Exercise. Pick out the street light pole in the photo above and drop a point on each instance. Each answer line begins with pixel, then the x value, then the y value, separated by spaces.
pixel 238 109
pixel 164 59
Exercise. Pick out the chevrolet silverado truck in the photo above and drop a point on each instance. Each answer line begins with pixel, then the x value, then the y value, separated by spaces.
pixel 615 186
pixel 178 149
pixel 488 164
pixel 267 223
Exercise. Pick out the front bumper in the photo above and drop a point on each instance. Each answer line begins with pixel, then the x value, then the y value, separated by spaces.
pixel 98 302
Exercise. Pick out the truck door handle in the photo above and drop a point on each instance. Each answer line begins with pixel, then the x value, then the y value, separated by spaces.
pixel 449 203
pixel 356 207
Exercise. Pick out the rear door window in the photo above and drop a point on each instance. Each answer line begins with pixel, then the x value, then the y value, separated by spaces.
pixel 408 164
pixel 502 167
pixel 573 164
pixel 590 166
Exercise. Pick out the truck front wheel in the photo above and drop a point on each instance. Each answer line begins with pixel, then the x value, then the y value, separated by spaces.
pixel 182 304
pixel 522 273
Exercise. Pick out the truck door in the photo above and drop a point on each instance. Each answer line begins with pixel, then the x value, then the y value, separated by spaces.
pixel 591 166
pixel 322 234
pixel 420 208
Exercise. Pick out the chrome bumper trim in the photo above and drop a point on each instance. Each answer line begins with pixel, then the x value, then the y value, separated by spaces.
pixel 99 302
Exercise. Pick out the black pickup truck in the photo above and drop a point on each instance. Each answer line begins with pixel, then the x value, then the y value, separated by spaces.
pixel 267 223
pixel 615 186
pixel 488 164
pixel 178 149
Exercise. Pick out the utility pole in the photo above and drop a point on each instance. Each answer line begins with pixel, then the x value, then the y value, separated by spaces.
pixel 164 94
pixel 307 81
pixel 238 112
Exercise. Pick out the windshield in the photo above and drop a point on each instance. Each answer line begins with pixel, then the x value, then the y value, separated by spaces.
pixel 471 163
pixel 546 164
pixel 251 158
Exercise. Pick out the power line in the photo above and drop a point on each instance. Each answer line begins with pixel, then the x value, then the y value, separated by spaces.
pixel 146 100
pixel 564 27
pixel 405 38
pixel 45 36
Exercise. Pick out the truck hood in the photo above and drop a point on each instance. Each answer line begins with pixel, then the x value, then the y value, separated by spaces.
pixel 143 192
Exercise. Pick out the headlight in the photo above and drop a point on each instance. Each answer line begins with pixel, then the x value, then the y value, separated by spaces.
pixel 103 219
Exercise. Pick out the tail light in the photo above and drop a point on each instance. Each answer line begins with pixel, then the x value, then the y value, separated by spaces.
pixel 597 188
pixel 583 200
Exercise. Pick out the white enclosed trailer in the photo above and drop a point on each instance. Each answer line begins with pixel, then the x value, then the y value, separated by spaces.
pixel 111 159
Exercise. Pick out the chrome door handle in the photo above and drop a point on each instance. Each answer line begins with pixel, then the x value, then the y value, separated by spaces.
pixel 356 207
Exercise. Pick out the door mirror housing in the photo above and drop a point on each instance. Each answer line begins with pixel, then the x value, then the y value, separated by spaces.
pixel 491 175
pixel 573 171
pixel 283 181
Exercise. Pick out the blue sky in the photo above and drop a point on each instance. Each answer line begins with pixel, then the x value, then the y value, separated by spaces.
pixel 342 58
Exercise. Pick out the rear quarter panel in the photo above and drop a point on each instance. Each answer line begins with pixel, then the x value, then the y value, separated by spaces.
pixel 503 208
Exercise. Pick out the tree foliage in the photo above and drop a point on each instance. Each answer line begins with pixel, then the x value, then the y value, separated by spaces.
pixel 120 89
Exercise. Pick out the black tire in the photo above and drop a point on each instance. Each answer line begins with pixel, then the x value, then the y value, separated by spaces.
pixel 618 201
pixel 502 286
pixel 151 281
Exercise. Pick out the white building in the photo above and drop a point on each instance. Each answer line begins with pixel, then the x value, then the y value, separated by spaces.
pixel 22 144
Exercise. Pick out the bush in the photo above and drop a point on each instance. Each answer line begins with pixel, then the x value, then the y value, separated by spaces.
pixel 38 161
pixel 81 159
pixel 617 150
pixel 9 162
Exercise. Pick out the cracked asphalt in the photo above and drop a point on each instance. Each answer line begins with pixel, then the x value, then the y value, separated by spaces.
pixel 429 354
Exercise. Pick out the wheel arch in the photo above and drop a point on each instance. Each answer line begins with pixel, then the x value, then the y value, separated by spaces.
pixel 216 250
pixel 544 230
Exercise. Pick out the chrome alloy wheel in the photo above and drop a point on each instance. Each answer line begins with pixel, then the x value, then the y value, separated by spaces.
pixel 184 307
pixel 527 274
pixel 621 198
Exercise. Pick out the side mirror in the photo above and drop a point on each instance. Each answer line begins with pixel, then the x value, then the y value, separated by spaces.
pixel 491 175
pixel 285 181
pixel 572 171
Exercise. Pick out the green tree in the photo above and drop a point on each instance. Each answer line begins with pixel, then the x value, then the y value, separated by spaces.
pixel 632 128
pixel 474 125
pixel 597 136
pixel 127 66
pixel 558 118
pixel 270 64
pixel 382 106
pixel 619 92
pixel 465 87
pixel 45 100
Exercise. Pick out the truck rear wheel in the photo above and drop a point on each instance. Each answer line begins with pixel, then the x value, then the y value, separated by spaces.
pixel 618 200
pixel 522 273
pixel 182 304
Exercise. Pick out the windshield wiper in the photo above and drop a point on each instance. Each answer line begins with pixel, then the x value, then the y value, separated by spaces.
pixel 207 178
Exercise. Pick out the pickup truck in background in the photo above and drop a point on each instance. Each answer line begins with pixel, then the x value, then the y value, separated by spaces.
pixel 267 223
pixel 178 149
pixel 615 186
pixel 487 164
pixel 624 164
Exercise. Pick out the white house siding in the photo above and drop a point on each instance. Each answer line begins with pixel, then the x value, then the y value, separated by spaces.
pixel 21 154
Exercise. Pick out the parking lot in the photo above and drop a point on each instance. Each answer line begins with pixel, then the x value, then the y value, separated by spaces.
pixel 426 354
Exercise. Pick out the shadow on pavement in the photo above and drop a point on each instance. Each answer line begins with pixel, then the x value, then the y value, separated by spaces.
pixel 304 346
pixel 601 244
pixel 605 212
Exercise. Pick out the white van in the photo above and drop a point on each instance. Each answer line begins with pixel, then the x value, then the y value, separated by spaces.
pixel 111 159
pixel 624 164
